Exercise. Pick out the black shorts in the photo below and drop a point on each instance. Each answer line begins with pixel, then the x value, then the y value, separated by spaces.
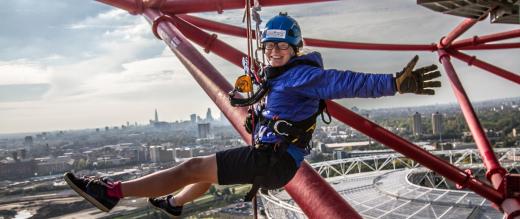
pixel 242 165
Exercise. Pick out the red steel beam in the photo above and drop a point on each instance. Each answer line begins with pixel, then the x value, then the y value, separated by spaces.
pixel 477 40
pixel 368 46
pixel 412 151
pixel 304 187
pixel 210 43
pixel 495 173
pixel 192 6
pixel 490 46
pixel 472 60
pixel 459 30
pixel 217 87
pixel 242 32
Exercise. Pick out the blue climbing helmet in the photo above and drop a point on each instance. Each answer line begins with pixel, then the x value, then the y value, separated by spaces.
pixel 283 28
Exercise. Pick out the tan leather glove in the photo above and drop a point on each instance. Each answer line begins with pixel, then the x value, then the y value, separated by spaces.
pixel 417 81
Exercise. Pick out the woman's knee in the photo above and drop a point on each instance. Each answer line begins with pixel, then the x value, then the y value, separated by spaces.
pixel 201 168
pixel 193 164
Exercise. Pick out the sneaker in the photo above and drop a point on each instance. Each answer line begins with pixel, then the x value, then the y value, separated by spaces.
pixel 93 189
pixel 162 204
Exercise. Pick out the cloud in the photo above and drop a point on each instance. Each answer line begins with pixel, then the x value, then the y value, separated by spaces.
pixel 22 92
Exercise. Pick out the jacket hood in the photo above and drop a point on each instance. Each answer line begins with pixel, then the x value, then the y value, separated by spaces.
pixel 314 57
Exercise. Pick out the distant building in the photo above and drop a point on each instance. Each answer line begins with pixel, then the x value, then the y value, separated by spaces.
pixel 337 154
pixel 156 116
pixel 183 152
pixel 28 142
pixel 54 165
pixel 193 118
pixel 437 123
pixel 209 117
pixel 159 154
pixel 203 130
pixel 416 124
pixel 17 170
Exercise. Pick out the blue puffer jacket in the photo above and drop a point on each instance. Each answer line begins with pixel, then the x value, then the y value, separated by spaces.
pixel 295 94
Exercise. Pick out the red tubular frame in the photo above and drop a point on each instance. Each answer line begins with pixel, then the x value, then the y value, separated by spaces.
pixel 495 172
pixel 459 30
pixel 241 32
pixel 476 40
pixel 210 43
pixel 488 157
pixel 492 46
pixel 315 198
pixel 192 6
pixel 472 60
pixel 308 188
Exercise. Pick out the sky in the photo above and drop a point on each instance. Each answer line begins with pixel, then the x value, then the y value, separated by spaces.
pixel 73 64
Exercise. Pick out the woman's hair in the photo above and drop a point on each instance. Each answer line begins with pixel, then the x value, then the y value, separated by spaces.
pixel 300 51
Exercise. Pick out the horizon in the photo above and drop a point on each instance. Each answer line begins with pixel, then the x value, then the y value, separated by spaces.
pixel 102 65
pixel 145 123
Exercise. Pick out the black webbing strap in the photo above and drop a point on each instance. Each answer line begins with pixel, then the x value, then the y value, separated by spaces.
pixel 252 192
pixel 299 133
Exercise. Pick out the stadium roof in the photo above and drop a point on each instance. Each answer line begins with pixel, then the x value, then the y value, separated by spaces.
pixel 389 193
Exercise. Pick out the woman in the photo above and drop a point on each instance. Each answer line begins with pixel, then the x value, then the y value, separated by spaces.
pixel 297 84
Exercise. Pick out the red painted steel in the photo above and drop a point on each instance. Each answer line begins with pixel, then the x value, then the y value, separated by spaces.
pixel 490 46
pixel 472 60
pixel 410 150
pixel 459 30
pixel 192 6
pixel 477 40
pixel 210 43
pixel 319 201
pixel 368 46
pixel 215 26
pixel 241 32
pixel 486 152
pixel 495 172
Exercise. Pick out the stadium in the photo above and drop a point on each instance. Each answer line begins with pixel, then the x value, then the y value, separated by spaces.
pixel 392 186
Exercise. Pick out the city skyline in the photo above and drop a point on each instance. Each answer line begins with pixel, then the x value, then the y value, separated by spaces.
pixel 103 66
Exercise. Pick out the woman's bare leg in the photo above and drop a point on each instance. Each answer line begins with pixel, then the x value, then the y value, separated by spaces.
pixel 195 170
pixel 191 192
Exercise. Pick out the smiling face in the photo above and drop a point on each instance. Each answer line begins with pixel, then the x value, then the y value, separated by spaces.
pixel 278 54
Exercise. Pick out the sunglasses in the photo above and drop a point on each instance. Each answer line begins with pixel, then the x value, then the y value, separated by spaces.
pixel 279 45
